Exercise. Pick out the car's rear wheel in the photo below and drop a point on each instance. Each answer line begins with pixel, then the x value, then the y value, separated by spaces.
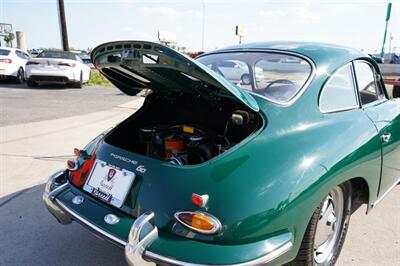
pixel 20 75
pixel 396 91
pixel 327 229
pixel 31 83
pixel 78 84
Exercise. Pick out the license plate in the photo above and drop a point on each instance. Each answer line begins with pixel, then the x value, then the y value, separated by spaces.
pixel 109 183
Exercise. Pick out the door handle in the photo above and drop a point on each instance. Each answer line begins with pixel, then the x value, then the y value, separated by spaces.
pixel 386 137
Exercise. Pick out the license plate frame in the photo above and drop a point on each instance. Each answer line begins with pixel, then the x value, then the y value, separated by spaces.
pixel 109 183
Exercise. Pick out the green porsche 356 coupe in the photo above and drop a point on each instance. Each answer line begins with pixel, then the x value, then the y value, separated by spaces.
pixel 249 155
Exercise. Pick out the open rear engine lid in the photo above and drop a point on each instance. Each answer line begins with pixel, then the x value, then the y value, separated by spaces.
pixel 134 65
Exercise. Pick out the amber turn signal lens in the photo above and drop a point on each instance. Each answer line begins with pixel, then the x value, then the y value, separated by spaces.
pixel 199 221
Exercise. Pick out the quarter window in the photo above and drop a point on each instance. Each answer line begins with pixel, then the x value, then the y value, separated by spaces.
pixel 367 86
pixel 339 92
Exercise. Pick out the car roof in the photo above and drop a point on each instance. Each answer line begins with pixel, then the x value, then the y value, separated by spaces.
pixel 10 49
pixel 330 56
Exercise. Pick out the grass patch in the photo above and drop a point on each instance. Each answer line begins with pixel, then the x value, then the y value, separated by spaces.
pixel 97 79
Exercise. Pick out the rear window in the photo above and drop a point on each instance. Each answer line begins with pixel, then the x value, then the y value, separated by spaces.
pixel 57 54
pixel 278 77
pixel 4 52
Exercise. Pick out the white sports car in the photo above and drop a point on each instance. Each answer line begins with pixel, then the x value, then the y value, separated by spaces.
pixel 57 67
pixel 12 63
pixel 238 71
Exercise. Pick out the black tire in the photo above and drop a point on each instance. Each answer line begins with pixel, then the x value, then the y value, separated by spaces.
pixel 31 83
pixel 396 92
pixel 78 84
pixel 306 254
pixel 20 75
pixel 245 78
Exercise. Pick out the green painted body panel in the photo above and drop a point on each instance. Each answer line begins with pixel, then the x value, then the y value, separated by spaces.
pixel 172 71
pixel 94 211
pixel 387 120
pixel 269 183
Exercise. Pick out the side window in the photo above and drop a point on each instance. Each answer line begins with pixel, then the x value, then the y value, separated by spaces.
pixel 19 54
pixel 367 86
pixel 27 57
pixel 339 92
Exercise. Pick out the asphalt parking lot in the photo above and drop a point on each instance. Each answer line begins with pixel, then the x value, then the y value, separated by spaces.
pixel 21 104
pixel 38 130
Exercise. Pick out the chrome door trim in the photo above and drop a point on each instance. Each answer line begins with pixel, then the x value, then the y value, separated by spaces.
pixel 386 193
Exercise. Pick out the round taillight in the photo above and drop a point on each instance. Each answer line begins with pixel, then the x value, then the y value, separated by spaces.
pixel 72 165
pixel 200 222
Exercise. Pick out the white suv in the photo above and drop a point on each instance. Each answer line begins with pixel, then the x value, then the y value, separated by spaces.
pixel 12 63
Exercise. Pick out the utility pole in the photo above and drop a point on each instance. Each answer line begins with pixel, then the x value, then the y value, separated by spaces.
pixel 203 25
pixel 388 11
pixel 63 25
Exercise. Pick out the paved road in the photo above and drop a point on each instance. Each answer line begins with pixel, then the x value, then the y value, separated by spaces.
pixel 29 152
pixel 20 104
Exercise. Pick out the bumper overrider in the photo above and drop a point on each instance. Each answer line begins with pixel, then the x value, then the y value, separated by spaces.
pixel 143 233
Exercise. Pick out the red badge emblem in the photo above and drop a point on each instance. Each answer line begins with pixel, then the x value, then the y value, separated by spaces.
pixel 111 174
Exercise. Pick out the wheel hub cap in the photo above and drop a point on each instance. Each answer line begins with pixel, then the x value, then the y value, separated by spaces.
pixel 328 227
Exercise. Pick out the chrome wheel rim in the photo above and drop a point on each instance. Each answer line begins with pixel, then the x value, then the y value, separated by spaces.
pixel 329 226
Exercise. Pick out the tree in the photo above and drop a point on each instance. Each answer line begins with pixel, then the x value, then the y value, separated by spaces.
pixel 9 39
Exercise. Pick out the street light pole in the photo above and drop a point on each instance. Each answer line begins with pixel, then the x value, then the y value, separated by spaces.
pixel 63 25
pixel 203 26
pixel 388 11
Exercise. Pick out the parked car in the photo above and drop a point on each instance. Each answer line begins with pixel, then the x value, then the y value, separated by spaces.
pixel 392 58
pixel 34 52
pixel 12 63
pixel 378 59
pixel 238 71
pixel 87 61
pixel 208 173
pixel 57 67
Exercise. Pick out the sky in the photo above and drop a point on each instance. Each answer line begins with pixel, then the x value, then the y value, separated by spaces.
pixel 358 24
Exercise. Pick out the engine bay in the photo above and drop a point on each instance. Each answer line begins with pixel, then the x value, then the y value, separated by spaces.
pixel 184 132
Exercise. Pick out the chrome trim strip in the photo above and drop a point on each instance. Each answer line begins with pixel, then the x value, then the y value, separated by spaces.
pixel 340 110
pixel 52 194
pixel 92 226
pixel 259 261
pixel 276 51
pixel 49 195
pixel 386 193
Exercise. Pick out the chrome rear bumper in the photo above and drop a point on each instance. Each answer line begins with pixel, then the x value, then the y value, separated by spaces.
pixel 142 234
